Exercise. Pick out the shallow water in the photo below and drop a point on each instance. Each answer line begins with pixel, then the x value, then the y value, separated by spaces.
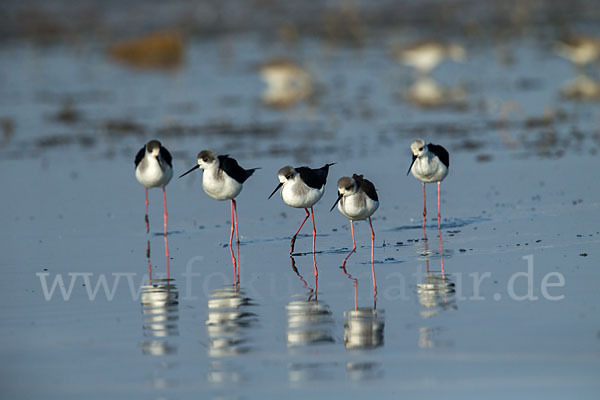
pixel 519 194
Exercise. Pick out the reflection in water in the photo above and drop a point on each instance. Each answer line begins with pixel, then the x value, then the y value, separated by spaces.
pixel 309 322
pixel 426 92
pixel 311 292
pixel 363 328
pixel 160 313
pixel 581 88
pixel 228 323
pixel 228 319
pixel 364 371
pixel 436 294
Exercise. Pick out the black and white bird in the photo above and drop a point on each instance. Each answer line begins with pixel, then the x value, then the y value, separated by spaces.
pixel 154 168
pixel 357 200
pixel 430 163
pixel 303 187
pixel 223 179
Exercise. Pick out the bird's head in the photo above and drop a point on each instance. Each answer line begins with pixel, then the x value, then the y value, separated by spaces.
pixel 286 173
pixel 418 147
pixel 206 158
pixel 346 186
pixel 153 148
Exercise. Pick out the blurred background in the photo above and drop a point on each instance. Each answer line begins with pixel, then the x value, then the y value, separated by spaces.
pixel 88 73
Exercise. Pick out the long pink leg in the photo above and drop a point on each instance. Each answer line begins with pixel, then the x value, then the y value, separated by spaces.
pixel 314 228
pixel 439 213
pixel 237 250
pixel 232 227
pixel 372 257
pixel 168 258
pixel 234 262
pixel 293 242
pixel 316 279
pixel 165 203
pixel 424 201
pixel 237 237
pixel 146 215
pixel 314 238
pixel 353 245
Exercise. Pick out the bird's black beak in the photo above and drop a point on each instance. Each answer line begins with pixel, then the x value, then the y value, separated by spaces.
pixel 193 168
pixel 276 189
pixel 337 201
pixel 411 164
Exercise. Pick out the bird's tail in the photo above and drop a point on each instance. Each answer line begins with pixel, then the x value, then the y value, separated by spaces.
pixel 250 171
pixel 326 167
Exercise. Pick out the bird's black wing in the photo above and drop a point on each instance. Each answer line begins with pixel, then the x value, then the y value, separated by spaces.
pixel 441 153
pixel 367 186
pixel 314 178
pixel 164 153
pixel 140 156
pixel 233 169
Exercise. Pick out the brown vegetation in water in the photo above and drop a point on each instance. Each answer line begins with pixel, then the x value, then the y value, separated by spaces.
pixel 156 50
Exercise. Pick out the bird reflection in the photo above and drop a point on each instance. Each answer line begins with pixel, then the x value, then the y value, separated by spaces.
pixel 436 294
pixel 229 317
pixel 581 51
pixel 364 371
pixel 160 312
pixel 426 92
pixel 363 327
pixel 228 325
pixel 582 87
pixel 425 55
pixel 309 321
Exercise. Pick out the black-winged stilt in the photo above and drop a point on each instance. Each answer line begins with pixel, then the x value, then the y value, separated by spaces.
pixel 430 163
pixel 223 179
pixel 154 168
pixel 303 187
pixel 357 200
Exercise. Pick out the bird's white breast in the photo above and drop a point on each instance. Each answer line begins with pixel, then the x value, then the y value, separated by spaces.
pixel 149 173
pixel 429 169
pixel 297 194
pixel 220 186
pixel 357 207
